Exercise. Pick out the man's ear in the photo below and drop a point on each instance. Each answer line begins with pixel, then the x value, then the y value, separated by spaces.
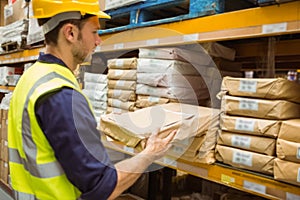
pixel 70 32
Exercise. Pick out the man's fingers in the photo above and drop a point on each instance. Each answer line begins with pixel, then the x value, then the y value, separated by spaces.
pixel 171 136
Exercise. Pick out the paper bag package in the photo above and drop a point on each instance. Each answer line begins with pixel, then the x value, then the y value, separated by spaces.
pixel 287 150
pixel 127 105
pixel 287 171
pixel 245 159
pixel 196 149
pixel 122 84
pixel 248 125
pixel 265 88
pixel 260 108
pixel 171 80
pixel 256 144
pixel 146 65
pixel 173 92
pixel 122 63
pixel 132 128
pixel 123 74
pixel 123 95
pixel 290 130
pixel 144 101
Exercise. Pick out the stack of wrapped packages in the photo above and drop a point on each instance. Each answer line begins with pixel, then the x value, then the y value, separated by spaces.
pixel 287 163
pixel 95 88
pixel 121 76
pixel 252 113
pixel 195 139
pixel 164 76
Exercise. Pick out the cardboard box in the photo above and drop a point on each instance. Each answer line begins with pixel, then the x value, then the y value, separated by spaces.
pixel 265 88
pixel 4 171
pixel 4 150
pixel 245 159
pixel 287 150
pixel 133 128
pixel 122 74
pixel 4 125
pixel 256 144
pixel 123 95
pixel 122 85
pixel 253 126
pixel 122 63
pixel 260 108
pixel 290 130
pixel 17 11
pixel 287 171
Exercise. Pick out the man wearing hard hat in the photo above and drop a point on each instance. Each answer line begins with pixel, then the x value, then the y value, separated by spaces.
pixel 55 151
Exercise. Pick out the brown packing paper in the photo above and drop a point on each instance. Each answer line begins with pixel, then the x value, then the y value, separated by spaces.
pixel 260 108
pixel 290 130
pixel 287 171
pixel 115 110
pixel 132 128
pixel 116 103
pixel 120 74
pixel 144 101
pixel 122 84
pixel 253 126
pixel 248 142
pixel 123 95
pixel 287 150
pixel 245 159
pixel 266 88
pixel 122 63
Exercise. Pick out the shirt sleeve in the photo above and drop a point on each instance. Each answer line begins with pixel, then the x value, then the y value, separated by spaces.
pixel 70 128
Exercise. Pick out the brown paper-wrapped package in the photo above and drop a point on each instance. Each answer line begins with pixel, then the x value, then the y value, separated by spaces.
pixel 265 88
pixel 122 63
pixel 260 108
pixel 132 128
pixel 257 144
pixel 248 125
pixel 245 159
pixel 122 74
pixel 290 130
pixel 128 105
pixel 123 95
pixel 287 171
pixel 287 150
pixel 122 84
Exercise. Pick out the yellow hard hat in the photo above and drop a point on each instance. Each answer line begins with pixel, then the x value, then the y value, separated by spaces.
pixel 50 8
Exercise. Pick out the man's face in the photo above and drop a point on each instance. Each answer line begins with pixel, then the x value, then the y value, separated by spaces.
pixel 88 39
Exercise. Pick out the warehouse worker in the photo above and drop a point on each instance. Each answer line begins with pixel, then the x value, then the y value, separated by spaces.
pixel 55 150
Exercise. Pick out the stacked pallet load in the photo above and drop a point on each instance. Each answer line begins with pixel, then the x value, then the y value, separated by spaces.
pixel 287 163
pixel 95 88
pixel 197 127
pixel 121 76
pixel 252 112
pixel 164 76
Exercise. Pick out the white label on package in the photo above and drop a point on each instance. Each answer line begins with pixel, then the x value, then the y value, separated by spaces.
pixel 248 104
pixel 120 83
pixel 117 93
pixel 274 28
pixel 153 99
pixel 119 62
pixel 117 103
pixel 243 158
pixel 254 187
pixel 290 196
pixel 241 141
pixel 244 124
pixel 248 86
pixel 298 153
pixel 118 72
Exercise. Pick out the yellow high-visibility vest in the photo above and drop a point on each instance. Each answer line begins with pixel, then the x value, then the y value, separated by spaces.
pixel 35 172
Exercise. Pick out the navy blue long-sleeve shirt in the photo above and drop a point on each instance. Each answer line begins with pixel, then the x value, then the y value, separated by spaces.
pixel 70 128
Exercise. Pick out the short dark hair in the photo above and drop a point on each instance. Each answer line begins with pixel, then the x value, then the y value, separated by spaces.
pixel 51 37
